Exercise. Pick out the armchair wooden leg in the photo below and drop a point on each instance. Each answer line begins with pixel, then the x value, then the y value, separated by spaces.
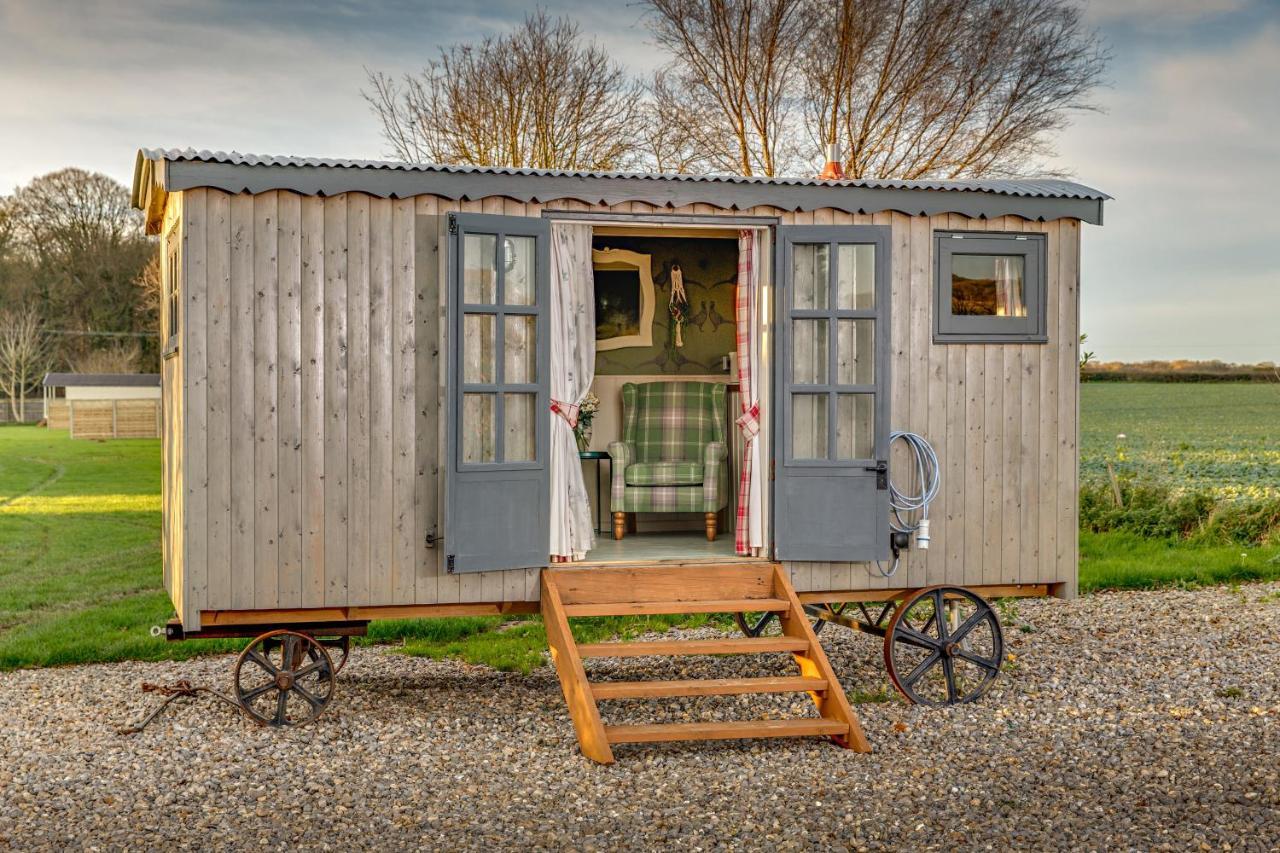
pixel 619 525
pixel 711 519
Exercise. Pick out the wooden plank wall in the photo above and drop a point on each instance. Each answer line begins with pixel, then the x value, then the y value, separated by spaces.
pixel 313 379
pixel 1002 417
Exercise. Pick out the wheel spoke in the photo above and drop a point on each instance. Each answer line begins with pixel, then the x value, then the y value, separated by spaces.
pixel 923 667
pixel 912 637
pixel 250 695
pixel 262 661
pixel 308 669
pixel 949 674
pixel 282 703
pixel 969 624
pixel 985 663
pixel 306 694
pixel 939 615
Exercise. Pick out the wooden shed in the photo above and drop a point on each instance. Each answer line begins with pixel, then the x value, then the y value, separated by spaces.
pixel 103 405
pixel 364 399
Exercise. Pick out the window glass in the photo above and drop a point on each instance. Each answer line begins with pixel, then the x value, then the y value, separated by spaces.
pixel 479 428
pixel 988 285
pixel 855 426
pixel 518 266
pixel 480 271
pixel 855 352
pixel 518 427
pixel 809 352
pixel 809 426
pixel 809 267
pixel 520 352
pixel 478 349
pixel 856 276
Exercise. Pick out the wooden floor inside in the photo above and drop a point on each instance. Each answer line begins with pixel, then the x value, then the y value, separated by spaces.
pixel 683 546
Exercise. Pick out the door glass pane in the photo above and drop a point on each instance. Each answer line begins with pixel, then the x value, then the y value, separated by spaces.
pixel 479 428
pixel 809 352
pixel 520 356
pixel 477 348
pixel 855 430
pixel 855 352
pixel 809 426
pixel 480 269
pixel 988 285
pixel 518 258
pixel 856 276
pixel 518 427
pixel 809 267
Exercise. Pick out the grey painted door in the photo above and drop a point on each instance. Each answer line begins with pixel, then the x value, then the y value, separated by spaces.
pixel 832 376
pixel 496 494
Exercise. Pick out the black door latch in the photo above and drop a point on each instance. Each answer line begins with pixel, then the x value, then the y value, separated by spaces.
pixel 882 474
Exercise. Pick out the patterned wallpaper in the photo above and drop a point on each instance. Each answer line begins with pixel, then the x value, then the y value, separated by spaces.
pixel 710 268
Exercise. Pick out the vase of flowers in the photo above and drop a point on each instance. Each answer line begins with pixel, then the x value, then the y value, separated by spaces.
pixel 586 414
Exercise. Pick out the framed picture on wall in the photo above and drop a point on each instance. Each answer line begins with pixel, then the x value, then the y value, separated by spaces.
pixel 624 299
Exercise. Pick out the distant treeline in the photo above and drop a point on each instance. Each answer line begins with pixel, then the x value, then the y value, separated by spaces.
pixel 1179 371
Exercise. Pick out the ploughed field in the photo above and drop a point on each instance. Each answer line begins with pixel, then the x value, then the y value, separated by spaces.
pixel 1220 438
pixel 1130 720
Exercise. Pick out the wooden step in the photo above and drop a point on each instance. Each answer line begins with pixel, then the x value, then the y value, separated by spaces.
pixel 704 687
pixel 648 608
pixel 672 648
pixel 711 588
pixel 647 733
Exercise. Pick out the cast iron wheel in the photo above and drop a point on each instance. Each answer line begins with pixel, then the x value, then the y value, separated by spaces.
pixel 755 623
pixel 339 650
pixel 943 646
pixel 284 678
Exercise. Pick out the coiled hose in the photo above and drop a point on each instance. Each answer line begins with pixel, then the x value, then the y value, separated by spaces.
pixel 925 481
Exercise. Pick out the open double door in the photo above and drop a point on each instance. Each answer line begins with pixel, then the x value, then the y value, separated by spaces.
pixel 831 380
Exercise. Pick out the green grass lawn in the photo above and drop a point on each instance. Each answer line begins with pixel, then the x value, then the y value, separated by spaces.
pixel 80 574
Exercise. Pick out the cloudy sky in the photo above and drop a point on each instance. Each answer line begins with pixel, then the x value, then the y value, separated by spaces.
pixel 1187 265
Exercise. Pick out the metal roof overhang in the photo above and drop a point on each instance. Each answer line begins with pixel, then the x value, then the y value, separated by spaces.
pixel 153 177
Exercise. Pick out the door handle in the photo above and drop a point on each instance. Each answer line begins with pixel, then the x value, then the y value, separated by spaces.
pixel 882 473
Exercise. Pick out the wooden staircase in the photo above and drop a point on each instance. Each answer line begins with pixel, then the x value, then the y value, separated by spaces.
pixel 726 588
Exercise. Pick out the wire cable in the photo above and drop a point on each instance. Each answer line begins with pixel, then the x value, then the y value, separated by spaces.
pixel 925 480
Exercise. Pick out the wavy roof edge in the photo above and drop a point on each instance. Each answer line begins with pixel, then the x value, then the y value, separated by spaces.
pixel 1027 187
pixel 1034 198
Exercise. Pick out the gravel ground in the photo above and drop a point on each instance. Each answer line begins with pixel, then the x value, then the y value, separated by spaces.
pixel 1128 720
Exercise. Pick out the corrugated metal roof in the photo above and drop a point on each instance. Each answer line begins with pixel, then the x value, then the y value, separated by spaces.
pixel 1022 188
pixel 98 380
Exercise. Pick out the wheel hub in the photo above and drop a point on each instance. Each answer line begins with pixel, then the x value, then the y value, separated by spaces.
pixel 284 680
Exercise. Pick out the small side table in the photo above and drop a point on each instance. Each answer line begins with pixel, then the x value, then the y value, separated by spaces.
pixel 598 456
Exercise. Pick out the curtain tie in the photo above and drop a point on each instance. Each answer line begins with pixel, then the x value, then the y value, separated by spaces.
pixel 749 422
pixel 568 411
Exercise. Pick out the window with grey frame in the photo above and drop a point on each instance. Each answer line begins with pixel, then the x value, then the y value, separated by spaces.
pixel 989 288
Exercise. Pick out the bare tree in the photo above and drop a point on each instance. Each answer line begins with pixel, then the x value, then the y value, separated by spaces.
pixel 725 92
pixel 946 88
pixel 538 97
pixel 25 355
pixel 116 357
pixel 908 88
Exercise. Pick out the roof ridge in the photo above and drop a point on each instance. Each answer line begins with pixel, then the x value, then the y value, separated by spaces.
pixel 1039 187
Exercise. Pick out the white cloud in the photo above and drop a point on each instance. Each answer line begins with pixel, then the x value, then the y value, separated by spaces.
pixel 1186 264
pixel 1155 12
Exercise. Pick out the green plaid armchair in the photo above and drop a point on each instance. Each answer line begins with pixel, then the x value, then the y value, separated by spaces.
pixel 672 457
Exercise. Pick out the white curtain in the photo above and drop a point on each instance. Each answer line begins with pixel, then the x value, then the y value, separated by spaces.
pixel 573 364
pixel 1009 301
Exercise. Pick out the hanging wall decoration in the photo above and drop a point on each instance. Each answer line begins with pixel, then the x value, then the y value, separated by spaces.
pixel 678 304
